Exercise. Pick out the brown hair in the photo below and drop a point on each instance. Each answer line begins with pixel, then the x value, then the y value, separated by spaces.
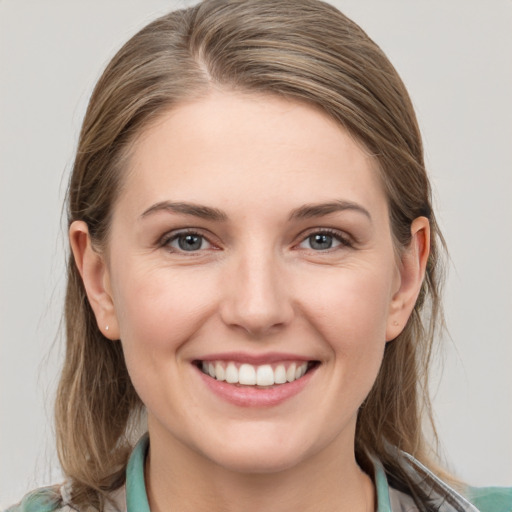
pixel 304 50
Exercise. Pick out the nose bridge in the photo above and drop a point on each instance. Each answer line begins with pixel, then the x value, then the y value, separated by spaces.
pixel 257 299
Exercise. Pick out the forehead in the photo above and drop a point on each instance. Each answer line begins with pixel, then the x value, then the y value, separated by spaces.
pixel 258 147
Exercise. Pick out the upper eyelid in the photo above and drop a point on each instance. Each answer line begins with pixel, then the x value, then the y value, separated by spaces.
pixel 175 233
pixel 342 235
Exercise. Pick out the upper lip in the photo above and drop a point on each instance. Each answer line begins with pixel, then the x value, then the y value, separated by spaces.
pixel 255 359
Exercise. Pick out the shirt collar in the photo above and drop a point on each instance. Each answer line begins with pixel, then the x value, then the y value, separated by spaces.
pixel 137 500
pixel 382 487
pixel 136 497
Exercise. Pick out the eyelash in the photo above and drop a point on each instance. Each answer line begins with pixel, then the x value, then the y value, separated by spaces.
pixel 343 239
pixel 166 240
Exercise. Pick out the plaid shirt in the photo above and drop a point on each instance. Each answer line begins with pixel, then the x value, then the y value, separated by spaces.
pixel 132 496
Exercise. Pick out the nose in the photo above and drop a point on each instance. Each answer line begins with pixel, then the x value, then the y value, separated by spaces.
pixel 257 296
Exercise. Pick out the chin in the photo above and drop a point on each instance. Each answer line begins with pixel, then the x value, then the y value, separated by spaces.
pixel 256 461
pixel 258 454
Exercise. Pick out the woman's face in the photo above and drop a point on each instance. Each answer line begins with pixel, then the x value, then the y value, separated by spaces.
pixel 251 241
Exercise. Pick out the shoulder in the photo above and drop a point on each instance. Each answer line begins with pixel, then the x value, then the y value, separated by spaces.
pixel 46 499
pixel 490 499
pixel 58 499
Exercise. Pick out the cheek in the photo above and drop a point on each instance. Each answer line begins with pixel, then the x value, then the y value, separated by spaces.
pixel 350 312
pixel 158 309
pixel 352 303
pixel 159 312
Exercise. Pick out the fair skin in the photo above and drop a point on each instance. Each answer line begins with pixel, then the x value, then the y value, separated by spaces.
pixel 287 261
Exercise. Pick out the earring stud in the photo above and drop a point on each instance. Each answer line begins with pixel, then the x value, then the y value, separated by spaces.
pixel 106 328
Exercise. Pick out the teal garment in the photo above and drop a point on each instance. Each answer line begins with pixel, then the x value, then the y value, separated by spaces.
pixel 488 499
pixel 47 499
pixel 136 497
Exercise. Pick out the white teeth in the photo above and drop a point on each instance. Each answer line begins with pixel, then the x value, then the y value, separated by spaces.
pixel 232 373
pixel 250 375
pixel 265 375
pixel 300 371
pixel 280 374
pixel 290 373
pixel 220 373
pixel 247 375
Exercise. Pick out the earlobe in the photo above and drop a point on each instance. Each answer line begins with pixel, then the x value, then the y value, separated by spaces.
pixel 95 276
pixel 413 263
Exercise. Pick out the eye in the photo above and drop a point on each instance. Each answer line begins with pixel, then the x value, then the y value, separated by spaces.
pixel 323 241
pixel 188 242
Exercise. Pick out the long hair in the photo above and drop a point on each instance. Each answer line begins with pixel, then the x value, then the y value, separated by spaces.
pixel 303 50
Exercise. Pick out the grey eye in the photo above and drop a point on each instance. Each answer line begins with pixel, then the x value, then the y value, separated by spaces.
pixel 321 241
pixel 189 242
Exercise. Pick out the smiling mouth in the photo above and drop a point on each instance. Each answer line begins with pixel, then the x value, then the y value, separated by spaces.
pixel 264 375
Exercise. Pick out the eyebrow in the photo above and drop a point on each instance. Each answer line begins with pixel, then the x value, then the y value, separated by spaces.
pixel 309 211
pixel 204 212
pixel 306 211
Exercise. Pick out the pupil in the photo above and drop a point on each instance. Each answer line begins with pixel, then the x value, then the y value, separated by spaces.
pixel 189 242
pixel 320 241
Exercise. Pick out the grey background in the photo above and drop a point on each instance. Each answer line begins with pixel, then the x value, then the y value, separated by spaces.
pixel 456 59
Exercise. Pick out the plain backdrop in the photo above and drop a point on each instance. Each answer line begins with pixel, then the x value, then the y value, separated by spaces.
pixel 455 57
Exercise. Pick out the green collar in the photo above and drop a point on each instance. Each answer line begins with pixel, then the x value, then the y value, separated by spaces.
pixel 382 487
pixel 137 499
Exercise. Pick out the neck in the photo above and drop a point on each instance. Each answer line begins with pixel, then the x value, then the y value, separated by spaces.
pixel 179 479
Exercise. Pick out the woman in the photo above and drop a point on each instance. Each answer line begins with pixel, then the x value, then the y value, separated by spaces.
pixel 255 264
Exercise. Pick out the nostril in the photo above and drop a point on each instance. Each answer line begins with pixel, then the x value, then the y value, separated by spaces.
pixel 258 305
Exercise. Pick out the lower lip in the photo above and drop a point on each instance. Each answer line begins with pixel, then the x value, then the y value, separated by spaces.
pixel 252 396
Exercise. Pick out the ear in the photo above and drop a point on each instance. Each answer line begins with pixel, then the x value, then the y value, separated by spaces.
pixel 95 276
pixel 413 262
